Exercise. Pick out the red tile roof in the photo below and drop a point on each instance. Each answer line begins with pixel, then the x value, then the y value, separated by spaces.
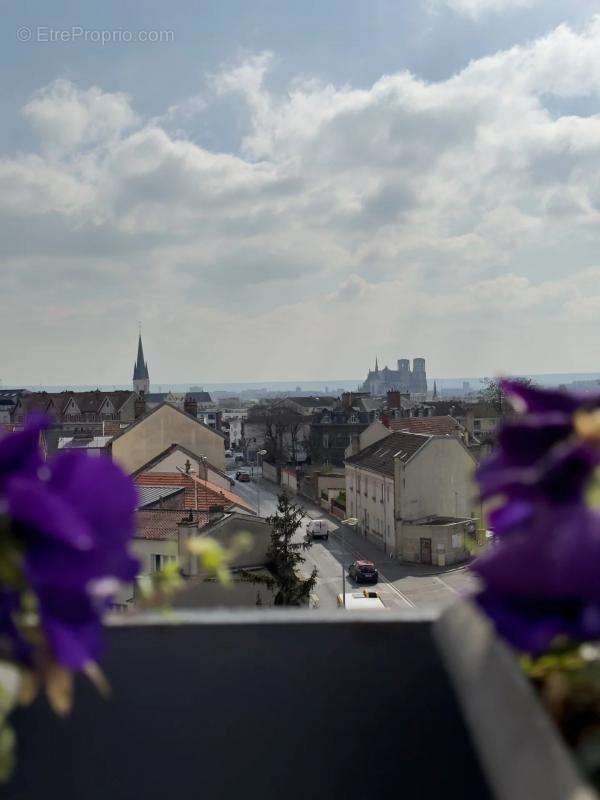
pixel 199 494
pixel 161 523
pixel 436 426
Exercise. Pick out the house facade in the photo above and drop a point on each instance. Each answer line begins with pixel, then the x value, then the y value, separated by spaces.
pixel 412 495
pixel 156 431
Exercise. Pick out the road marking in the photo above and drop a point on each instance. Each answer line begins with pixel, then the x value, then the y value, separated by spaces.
pixel 386 581
pixel 446 584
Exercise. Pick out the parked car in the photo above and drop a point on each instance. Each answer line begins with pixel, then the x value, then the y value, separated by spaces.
pixel 242 477
pixel 363 572
pixel 318 529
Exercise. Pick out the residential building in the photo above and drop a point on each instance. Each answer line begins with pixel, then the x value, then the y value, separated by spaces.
pixel 160 540
pixel 152 434
pixel 403 486
pixel 482 420
pixel 331 433
pixel 403 379
pixel 177 459
pixel 88 410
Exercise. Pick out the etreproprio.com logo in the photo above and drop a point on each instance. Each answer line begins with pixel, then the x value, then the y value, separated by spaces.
pixel 77 34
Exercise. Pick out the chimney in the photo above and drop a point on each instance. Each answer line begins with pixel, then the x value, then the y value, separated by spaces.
pixel 190 405
pixel 354 446
pixel 139 407
pixel 385 419
pixel 393 399
pixel 186 530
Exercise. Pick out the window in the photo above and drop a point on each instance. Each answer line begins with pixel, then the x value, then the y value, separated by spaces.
pixel 159 561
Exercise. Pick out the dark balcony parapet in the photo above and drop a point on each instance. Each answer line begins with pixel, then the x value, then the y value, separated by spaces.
pixel 257 704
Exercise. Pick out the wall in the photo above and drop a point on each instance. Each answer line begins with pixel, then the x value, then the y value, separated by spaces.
pixel 145 548
pixel 437 480
pixel 289 479
pixel 212 594
pixel 445 548
pixel 221 700
pixel 154 433
pixel 370 498
pixel 270 472
pixel 331 482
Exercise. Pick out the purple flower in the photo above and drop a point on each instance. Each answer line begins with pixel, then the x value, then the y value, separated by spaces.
pixel 541 577
pixel 72 518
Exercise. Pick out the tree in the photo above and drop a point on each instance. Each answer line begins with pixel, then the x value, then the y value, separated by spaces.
pixel 282 428
pixel 285 556
pixel 493 394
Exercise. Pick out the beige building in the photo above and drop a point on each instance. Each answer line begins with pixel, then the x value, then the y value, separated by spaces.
pixel 160 540
pixel 178 459
pixel 413 495
pixel 153 433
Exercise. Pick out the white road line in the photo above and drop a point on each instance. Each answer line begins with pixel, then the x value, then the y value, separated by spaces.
pixel 446 584
pixel 386 581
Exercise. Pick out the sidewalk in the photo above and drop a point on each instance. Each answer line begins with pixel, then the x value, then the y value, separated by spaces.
pixel 392 568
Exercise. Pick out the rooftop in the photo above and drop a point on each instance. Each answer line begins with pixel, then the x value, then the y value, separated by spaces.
pixel 438 425
pixel 161 523
pixel 379 457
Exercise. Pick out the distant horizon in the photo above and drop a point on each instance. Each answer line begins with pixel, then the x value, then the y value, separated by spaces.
pixel 547 379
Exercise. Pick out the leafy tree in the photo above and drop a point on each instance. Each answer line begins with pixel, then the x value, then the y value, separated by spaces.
pixel 285 556
pixel 492 393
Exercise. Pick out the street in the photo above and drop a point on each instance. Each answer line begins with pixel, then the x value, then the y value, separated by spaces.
pixel 399 586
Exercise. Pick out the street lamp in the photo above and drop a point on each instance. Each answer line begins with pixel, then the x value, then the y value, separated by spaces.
pixel 260 453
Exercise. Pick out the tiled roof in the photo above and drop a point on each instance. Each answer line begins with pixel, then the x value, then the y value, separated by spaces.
pixel 199 493
pixel 161 523
pixel 438 426
pixel 379 457
pixel 170 449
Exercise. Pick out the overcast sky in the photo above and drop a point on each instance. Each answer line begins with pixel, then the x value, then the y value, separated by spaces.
pixel 285 190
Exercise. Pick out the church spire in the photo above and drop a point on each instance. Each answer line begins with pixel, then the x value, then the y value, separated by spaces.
pixel 435 394
pixel 376 365
pixel 141 378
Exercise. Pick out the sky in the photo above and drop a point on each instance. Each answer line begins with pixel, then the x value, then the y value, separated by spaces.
pixel 285 190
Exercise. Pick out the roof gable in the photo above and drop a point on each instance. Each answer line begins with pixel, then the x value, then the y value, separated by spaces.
pixel 171 449
pixel 170 407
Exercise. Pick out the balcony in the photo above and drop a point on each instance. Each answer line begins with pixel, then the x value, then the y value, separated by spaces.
pixel 257 704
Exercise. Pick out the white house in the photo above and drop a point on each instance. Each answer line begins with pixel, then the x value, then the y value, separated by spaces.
pixel 413 495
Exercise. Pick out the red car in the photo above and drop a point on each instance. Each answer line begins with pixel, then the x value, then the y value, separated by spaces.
pixel 363 571
pixel 242 477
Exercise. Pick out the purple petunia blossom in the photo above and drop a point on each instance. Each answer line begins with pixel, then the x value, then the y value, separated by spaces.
pixel 541 577
pixel 73 520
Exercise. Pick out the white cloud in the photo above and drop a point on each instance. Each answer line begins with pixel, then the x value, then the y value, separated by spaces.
pixel 476 8
pixel 65 117
pixel 456 219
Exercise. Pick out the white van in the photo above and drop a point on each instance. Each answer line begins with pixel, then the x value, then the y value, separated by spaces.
pixel 318 529
pixel 365 600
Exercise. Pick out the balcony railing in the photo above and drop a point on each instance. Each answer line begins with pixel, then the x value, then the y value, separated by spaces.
pixel 257 704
